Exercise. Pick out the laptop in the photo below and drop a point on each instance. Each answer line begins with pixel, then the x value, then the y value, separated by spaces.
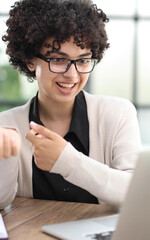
pixel 132 223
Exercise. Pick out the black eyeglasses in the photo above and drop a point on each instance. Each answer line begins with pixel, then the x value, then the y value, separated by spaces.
pixel 61 65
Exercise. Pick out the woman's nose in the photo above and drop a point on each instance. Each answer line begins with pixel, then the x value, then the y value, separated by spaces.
pixel 71 72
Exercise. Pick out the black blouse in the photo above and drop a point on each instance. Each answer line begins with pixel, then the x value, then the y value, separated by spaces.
pixel 47 185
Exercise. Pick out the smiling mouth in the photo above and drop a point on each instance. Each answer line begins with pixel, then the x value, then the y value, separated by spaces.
pixel 66 85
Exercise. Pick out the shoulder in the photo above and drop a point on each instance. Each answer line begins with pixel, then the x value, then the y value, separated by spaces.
pixel 108 103
pixel 14 115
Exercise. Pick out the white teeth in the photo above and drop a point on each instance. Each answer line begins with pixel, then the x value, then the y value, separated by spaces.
pixel 66 85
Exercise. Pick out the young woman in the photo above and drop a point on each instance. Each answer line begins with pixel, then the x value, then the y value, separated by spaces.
pixel 75 146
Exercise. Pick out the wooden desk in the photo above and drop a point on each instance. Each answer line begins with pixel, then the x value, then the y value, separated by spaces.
pixel 25 217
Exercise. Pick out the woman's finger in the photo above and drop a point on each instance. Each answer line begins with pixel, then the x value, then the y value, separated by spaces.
pixel 42 130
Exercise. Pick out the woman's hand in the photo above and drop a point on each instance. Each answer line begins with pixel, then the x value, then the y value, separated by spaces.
pixel 47 146
pixel 9 142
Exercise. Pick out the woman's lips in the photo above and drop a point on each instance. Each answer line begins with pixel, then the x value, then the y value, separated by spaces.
pixel 66 85
pixel 66 88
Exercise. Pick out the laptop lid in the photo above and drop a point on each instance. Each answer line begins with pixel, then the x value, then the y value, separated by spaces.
pixel 134 220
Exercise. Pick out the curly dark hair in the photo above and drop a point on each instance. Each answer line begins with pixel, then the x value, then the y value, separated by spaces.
pixel 31 22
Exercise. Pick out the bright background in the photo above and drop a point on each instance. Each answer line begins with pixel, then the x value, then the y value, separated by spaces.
pixel 124 70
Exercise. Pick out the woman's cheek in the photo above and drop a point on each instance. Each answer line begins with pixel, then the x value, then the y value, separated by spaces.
pixel 38 72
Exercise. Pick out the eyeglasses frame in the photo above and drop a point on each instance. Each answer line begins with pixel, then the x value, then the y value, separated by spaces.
pixel 69 64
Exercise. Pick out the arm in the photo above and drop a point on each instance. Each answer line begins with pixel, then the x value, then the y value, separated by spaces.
pixel 114 146
pixel 109 185
pixel 9 148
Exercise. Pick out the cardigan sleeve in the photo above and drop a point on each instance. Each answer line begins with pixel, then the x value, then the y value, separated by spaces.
pixel 8 180
pixel 9 168
pixel 107 184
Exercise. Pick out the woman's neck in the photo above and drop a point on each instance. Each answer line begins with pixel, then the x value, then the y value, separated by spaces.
pixel 55 111
pixel 56 116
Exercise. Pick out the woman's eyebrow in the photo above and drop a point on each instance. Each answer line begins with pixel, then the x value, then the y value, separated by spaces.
pixel 66 55
pixel 85 54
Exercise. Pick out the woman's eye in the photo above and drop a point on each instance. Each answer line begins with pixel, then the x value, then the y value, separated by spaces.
pixel 59 61
pixel 84 61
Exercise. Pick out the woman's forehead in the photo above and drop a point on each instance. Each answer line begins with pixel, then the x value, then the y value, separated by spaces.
pixel 68 47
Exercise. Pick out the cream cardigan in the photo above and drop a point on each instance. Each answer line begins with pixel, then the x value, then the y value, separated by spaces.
pixel 106 173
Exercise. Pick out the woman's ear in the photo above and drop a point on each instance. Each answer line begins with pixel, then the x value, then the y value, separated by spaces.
pixel 31 65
